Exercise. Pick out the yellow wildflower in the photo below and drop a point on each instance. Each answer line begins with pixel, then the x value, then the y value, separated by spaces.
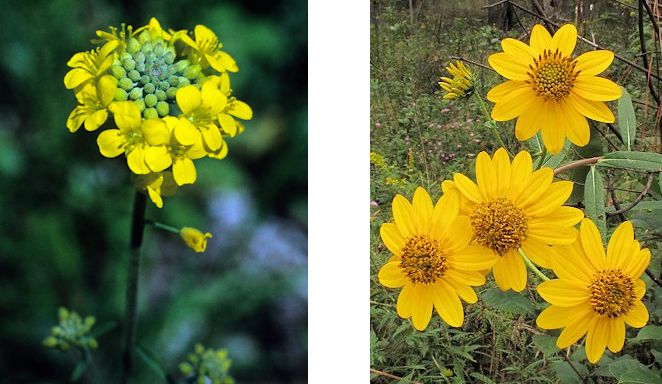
pixel 156 185
pixel 206 50
pixel 94 100
pixel 201 108
pixel 88 66
pixel 195 239
pixel 461 84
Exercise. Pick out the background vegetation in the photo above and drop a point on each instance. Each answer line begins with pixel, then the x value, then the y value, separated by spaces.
pixel 419 139
pixel 65 209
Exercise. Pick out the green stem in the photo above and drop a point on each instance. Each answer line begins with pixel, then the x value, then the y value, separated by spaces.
pixel 165 227
pixel 492 124
pixel 131 311
pixel 532 266
pixel 541 160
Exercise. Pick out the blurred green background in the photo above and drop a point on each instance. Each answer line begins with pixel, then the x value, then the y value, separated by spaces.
pixel 65 209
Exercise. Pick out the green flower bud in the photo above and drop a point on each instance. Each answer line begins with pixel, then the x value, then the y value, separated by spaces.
pixel 132 45
pixel 192 72
pixel 125 84
pixel 50 342
pixel 134 75
pixel 140 67
pixel 162 108
pixel 150 88
pixel 92 343
pixel 89 322
pixel 171 92
pixel 183 82
pixel 121 94
pixel 116 61
pixel 141 104
pixel 199 348
pixel 159 49
pixel 117 71
pixel 150 57
pixel 160 95
pixel 136 93
pixel 145 79
pixel 169 57
pixel 150 100
pixel 62 314
pixel 144 37
pixel 181 65
pixel 139 57
pixel 173 81
pixel 129 63
pixel 147 47
pixel 125 55
pixel 150 113
pixel 164 85
pixel 185 368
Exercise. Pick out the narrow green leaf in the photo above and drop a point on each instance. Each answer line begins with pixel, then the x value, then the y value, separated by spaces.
pixel 149 359
pixel 627 121
pixel 644 161
pixel 80 369
pixel 594 199
pixel 650 332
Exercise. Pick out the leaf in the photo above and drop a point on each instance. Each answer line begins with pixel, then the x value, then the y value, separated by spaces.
pixel 566 374
pixel 594 199
pixel 81 367
pixel 508 301
pixel 482 378
pixel 627 122
pixel 650 332
pixel 629 370
pixel 546 344
pixel 555 161
pixel 643 161
pixel 150 360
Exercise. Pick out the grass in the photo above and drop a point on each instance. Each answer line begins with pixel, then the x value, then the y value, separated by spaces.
pixel 418 139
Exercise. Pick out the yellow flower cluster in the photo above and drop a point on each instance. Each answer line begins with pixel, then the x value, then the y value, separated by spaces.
pixel 169 96
pixel 461 85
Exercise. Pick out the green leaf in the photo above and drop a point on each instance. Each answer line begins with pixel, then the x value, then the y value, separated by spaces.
pixel 629 370
pixel 650 332
pixel 643 161
pixel 627 122
pixel 80 369
pixel 508 301
pixel 594 199
pixel 546 344
pixel 150 360
pixel 566 374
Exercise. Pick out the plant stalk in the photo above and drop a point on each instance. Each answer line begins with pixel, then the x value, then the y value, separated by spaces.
pixel 131 312
pixel 531 266
pixel 492 122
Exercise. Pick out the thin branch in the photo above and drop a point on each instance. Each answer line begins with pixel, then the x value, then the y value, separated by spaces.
pixel 644 53
pixel 612 193
pixel 625 5
pixel 390 376
pixel 495 4
pixel 584 380
pixel 471 61
pixel 639 198
pixel 604 135
pixel 655 280
pixel 576 164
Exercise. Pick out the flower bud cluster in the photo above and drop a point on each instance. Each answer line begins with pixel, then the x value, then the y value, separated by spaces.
pixel 72 331
pixel 207 366
pixel 169 96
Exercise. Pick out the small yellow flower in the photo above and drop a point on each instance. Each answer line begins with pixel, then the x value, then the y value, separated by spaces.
pixel 133 137
pixel 549 91
pixel 94 100
pixel 156 185
pixel 596 293
pixel 201 107
pixel 233 109
pixel 206 50
pixel 461 84
pixel 88 66
pixel 181 154
pixel 195 239
pixel 432 260
pixel 511 207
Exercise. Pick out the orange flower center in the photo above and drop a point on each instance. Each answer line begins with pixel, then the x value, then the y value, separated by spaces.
pixel 552 75
pixel 499 225
pixel 612 293
pixel 423 261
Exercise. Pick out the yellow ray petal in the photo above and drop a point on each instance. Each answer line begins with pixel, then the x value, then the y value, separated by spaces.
pixel 564 293
pixel 403 216
pixel 391 237
pixel 447 303
pixel 513 104
pixel 575 330
pixel 474 258
pixel 462 234
pixel 565 216
pixel 553 128
pixel 554 317
pixel 534 186
pixel 521 168
pixel 638 315
pixel 592 244
pixel 597 339
pixel 464 291
pixel 444 213
pixel 473 279
pixel 486 177
pixel 594 110
pixel 501 164
pixel 577 128
pixel 510 272
pixel 391 276
pixel 593 63
pixel 405 301
pixel 509 66
pixel 619 245
pixel 551 200
pixel 517 48
pixel 565 39
pixel 498 92
pixel 422 208
pixel 596 88
pixel 421 308
pixel 616 334
pixel 467 187
pixel 538 252
pixel 540 38
pixel 569 265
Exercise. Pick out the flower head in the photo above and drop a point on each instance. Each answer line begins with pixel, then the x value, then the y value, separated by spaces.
pixel 195 239
pixel 156 184
pixel 206 50
pixel 512 207
pixel 71 331
pixel 596 293
pixel 461 85
pixel 208 364
pixel 548 90
pixel 431 260
pixel 88 66
pixel 94 101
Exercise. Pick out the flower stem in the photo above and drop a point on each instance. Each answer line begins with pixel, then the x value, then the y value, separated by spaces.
pixel 492 123
pixel 541 161
pixel 165 227
pixel 131 313
pixel 531 266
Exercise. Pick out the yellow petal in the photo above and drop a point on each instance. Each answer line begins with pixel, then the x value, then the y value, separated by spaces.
pixel 638 263
pixel 444 213
pixel 529 121
pixel 616 334
pixel 241 110
pixel 185 132
pixel 570 263
pixel 391 237
pixel 422 208
pixel 538 252
pixel 155 132
pixel 157 158
pixel 391 276
pixel 500 91
pixel 467 187
pixel 565 216
pixel 540 38
pixel 228 124
pixel 551 234
pixel 183 171
pixel 188 99
pixel 403 216
pixel 155 197
pixel 576 329
pixel 534 186
pixel 513 104
pixel 76 118
pixel 127 115
pixel 593 63
pixel 421 307
pixel 510 272
pixel 474 258
pixel 111 143
pixel 509 66
pixel 466 277
pixel 553 128
pixel 447 303
pixel 95 120
pixel 106 88
pixel 212 98
pixel 565 39
pixel 554 317
pixel 592 244
pixel 551 200
pixel 576 125
pixel 521 168
pixel 638 315
pixel 460 236
pixel 226 61
pixel 620 245
pixel 597 339
pixel 486 177
pixel 594 110
pixel 76 77
pixel 563 293
pixel 517 48
pixel 464 291
pixel 596 88
pixel 403 306
pixel 639 289
pixel 212 137
pixel 501 164
pixel 203 33
pixel 136 161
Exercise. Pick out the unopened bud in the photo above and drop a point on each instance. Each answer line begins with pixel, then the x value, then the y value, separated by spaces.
pixel 134 75
pixel 150 88
pixel 141 104
pixel 50 342
pixel 121 94
pixel 181 65
pixel 186 368
pixel 169 57
pixel 150 100
pixel 171 92
pixel 160 95
pixel 162 108
pixel 136 93
pixel 145 79
pixel 125 83
pixel 183 82
pixel 150 113
pixel 117 71
pixel 129 63
pixel 139 57
pixel 192 72
pixel 132 46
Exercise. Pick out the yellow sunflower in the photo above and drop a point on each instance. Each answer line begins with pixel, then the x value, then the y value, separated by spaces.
pixel 596 293
pixel 512 207
pixel 550 91
pixel 431 260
